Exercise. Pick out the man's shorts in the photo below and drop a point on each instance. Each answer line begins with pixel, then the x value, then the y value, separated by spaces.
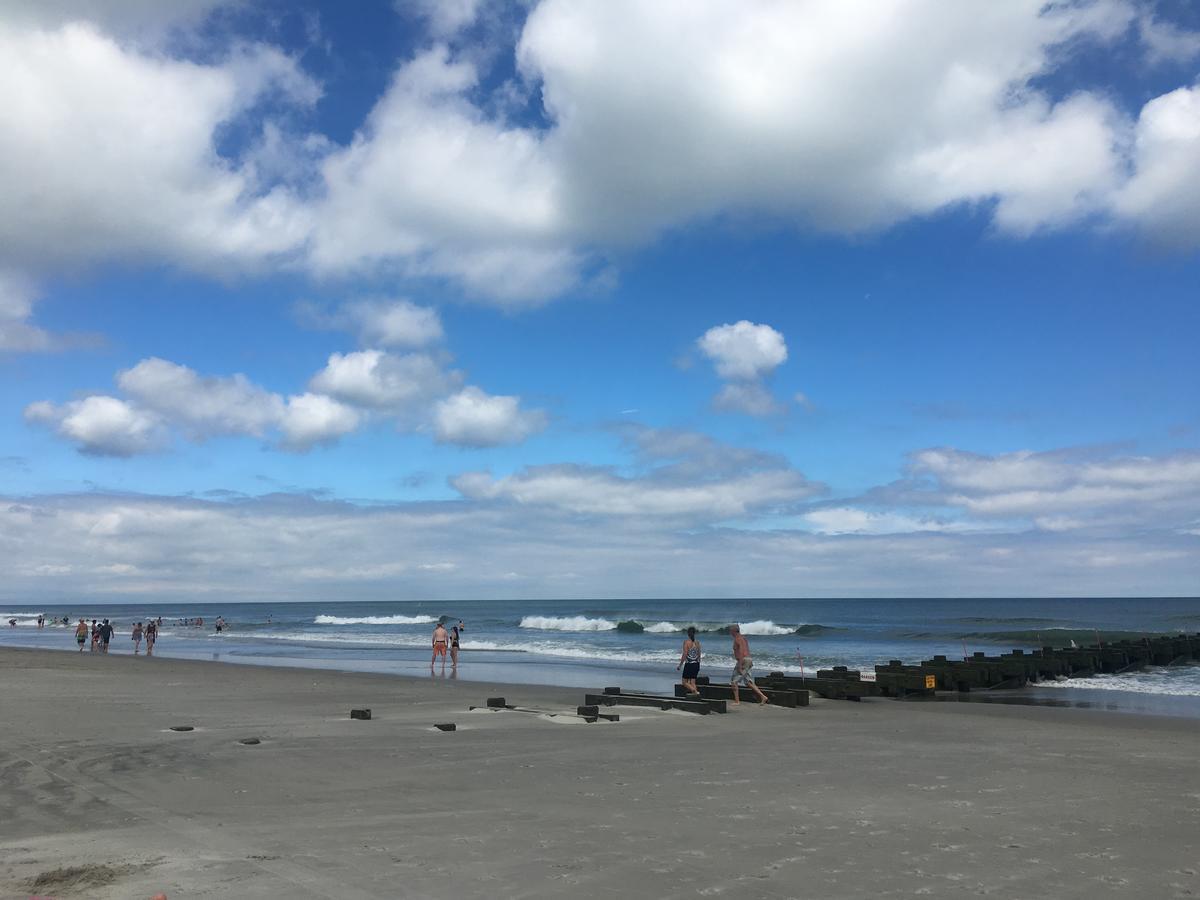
pixel 439 649
pixel 741 672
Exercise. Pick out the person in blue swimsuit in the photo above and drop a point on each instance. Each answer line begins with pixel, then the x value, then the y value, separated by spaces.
pixel 689 661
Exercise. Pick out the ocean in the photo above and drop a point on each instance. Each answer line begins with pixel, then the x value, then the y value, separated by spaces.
pixel 636 643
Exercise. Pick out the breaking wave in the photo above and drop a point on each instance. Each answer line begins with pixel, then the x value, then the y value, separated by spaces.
pixel 568 623
pixel 374 620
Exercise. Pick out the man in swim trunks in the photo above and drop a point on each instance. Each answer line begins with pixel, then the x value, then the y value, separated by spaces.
pixel 81 634
pixel 106 633
pixel 742 665
pixel 440 641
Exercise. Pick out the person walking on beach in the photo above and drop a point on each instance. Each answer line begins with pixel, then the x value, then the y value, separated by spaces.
pixel 689 661
pixel 455 634
pixel 742 664
pixel 137 637
pixel 81 634
pixel 95 636
pixel 106 633
pixel 151 636
pixel 440 640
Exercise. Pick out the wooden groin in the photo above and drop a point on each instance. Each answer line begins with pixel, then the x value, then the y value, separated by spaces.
pixel 898 680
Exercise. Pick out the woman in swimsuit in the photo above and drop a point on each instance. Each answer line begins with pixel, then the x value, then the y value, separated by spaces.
pixel 689 661
pixel 455 633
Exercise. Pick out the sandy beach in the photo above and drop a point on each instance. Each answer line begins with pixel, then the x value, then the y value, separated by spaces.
pixel 101 799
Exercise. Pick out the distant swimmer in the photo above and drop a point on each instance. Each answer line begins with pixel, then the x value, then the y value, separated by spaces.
pixel 220 624
pixel 81 634
pixel 742 664
pixel 12 623
pixel 440 639
pixel 41 621
pixel 689 661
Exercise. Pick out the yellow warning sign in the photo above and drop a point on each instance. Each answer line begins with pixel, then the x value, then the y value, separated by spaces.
pixel 931 681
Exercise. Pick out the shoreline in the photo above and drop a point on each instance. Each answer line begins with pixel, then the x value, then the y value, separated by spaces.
pixel 837 800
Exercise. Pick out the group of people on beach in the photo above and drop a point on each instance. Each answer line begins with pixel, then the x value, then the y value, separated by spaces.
pixel 689 662
pixel 446 641
pixel 101 635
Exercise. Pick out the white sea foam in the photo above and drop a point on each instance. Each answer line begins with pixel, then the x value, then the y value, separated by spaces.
pixel 1183 681
pixel 763 627
pixel 374 620
pixel 567 623
pixel 663 628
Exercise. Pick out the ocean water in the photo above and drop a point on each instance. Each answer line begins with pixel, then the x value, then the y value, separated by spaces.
pixel 636 644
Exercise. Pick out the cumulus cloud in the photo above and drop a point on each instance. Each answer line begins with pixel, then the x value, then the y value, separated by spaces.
pixel 163 394
pixel 474 418
pixel 744 353
pixel 744 349
pixel 203 407
pixel 815 116
pixel 1162 198
pixel 431 186
pixel 383 381
pixel 101 425
pixel 154 187
pixel 311 419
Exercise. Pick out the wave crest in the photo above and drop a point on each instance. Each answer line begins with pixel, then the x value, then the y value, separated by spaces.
pixel 567 623
pixel 374 620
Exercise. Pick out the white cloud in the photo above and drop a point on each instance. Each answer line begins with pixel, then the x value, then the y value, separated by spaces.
pixel 1166 42
pixel 311 419
pixel 431 186
pixel 1061 491
pixel 396 323
pixel 746 353
pixel 203 407
pixel 445 17
pixel 17 332
pixel 107 153
pixel 594 491
pixel 817 113
pixel 165 394
pixel 383 381
pixel 1162 198
pixel 744 349
pixel 473 418
pixel 101 426
pixel 749 397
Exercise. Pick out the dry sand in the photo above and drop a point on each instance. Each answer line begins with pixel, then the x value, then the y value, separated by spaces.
pixel 99 799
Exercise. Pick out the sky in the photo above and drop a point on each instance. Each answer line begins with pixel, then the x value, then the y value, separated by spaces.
pixel 454 299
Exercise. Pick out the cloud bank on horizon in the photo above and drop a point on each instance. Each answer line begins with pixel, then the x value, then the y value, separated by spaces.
pixel 440 254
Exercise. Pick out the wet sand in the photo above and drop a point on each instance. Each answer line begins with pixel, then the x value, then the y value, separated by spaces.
pixel 99 798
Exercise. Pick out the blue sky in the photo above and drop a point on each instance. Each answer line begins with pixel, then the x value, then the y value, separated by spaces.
pixel 465 299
